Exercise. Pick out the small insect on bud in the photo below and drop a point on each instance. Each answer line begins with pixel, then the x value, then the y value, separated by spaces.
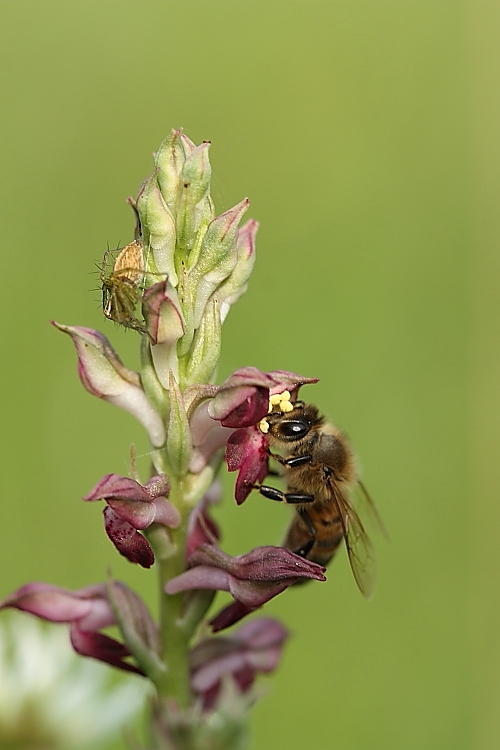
pixel 120 290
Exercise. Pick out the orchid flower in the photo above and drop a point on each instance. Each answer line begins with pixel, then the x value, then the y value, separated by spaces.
pixel 174 285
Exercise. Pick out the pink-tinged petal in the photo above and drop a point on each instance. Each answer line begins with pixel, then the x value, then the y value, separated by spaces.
pixel 208 437
pixel 246 451
pixel 252 579
pixel 262 564
pixel 166 513
pixel 141 515
pixel 262 632
pixel 255 647
pixel 157 485
pixel 104 375
pixel 230 615
pixel 163 314
pixel 201 528
pixel 236 284
pixel 102 647
pixel 200 577
pixel 289 381
pixel 246 238
pixel 118 487
pixel 243 397
pixel 48 602
pixel 137 515
pixel 139 506
pixel 253 406
pixel 127 540
pixel 89 605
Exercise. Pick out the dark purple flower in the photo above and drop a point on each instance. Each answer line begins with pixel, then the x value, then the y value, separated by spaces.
pixel 247 447
pixel 238 404
pixel 252 579
pixel 255 647
pixel 246 452
pixel 87 611
pixel 132 506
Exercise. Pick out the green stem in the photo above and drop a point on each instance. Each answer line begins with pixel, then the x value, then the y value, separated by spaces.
pixel 170 561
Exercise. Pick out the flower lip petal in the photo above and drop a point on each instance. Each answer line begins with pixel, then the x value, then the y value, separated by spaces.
pixel 127 539
pixel 246 451
pixel 48 602
pixel 102 647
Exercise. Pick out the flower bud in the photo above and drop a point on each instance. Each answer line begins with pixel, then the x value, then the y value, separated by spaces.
pixel 158 229
pixel 217 258
pixel 194 187
pixel 169 160
pixel 236 284
pixel 163 314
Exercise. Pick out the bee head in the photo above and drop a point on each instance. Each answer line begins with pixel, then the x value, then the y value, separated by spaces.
pixel 295 425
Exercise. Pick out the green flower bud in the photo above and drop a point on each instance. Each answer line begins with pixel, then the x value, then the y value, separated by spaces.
pixel 217 259
pixel 158 228
pixel 236 284
pixel 169 161
pixel 194 187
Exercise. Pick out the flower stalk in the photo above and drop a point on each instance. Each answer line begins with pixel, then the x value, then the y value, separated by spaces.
pixel 174 285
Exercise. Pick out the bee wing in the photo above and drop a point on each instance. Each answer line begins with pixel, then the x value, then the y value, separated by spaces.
pixel 360 550
pixel 372 510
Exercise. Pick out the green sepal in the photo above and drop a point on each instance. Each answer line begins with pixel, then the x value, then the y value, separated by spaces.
pixel 179 446
pixel 156 393
pixel 205 350
pixel 137 627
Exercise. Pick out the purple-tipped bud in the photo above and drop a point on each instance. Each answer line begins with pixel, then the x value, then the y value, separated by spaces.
pixel 104 375
pixel 163 314
pixel 252 579
pixel 236 284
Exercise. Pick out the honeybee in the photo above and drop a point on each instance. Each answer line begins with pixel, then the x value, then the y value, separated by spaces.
pixel 320 472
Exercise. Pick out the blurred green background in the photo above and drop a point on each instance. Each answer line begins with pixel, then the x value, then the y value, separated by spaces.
pixel 366 135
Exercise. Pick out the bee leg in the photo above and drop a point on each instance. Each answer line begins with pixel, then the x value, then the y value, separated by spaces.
pixel 292 462
pixel 295 461
pixel 283 497
pixel 307 547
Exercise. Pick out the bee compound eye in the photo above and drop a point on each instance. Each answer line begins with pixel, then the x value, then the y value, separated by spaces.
pixel 294 429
